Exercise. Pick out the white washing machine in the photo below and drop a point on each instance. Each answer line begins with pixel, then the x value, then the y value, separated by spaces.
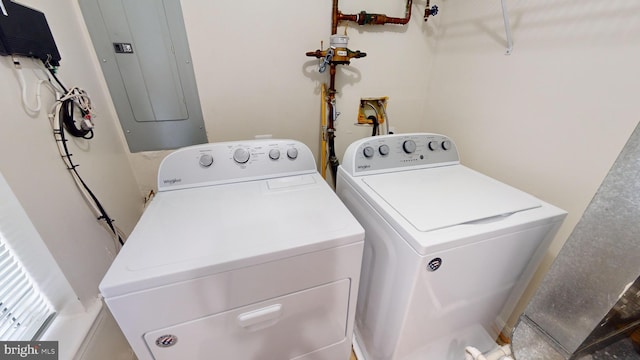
pixel 448 251
pixel 245 253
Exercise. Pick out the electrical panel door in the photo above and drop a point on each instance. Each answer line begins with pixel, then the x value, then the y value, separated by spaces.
pixel 143 50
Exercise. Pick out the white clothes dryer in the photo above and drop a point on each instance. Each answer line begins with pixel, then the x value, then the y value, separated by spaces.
pixel 448 251
pixel 245 253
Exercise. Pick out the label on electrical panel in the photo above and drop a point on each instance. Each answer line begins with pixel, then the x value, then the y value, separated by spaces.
pixel 123 48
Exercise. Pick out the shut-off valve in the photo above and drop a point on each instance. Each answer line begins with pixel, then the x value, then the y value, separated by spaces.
pixel 337 53
pixel 433 11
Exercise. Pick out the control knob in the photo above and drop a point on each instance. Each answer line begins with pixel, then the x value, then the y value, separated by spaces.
pixel 409 146
pixel 446 145
pixel 383 149
pixel 368 151
pixel 241 155
pixel 433 145
pixel 274 154
pixel 292 153
pixel 206 160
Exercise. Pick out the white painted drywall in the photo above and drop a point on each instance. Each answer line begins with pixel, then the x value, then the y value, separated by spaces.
pixel 551 117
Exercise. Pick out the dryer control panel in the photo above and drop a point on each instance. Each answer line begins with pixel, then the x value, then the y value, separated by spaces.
pixel 378 154
pixel 236 161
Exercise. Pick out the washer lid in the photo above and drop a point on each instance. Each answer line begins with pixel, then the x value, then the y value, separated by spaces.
pixel 436 198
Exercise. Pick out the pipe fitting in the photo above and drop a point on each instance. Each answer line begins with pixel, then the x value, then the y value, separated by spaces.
pixel 472 353
pixel 364 18
pixel 500 353
pixel 371 19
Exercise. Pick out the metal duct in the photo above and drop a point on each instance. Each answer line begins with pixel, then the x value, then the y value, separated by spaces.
pixel 590 298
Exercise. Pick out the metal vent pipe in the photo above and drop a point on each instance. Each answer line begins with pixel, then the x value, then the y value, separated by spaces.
pixel 590 298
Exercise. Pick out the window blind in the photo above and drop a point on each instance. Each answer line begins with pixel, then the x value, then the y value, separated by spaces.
pixel 24 310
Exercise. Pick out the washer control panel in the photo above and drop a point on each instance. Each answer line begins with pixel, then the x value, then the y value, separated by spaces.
pixel 384 153
pixel 228 162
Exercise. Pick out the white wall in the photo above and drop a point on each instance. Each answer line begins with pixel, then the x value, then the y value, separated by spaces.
pixel 254 78
pixel 33 169
pixel 552 117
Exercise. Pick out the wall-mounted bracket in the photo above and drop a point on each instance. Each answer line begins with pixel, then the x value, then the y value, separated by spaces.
pixel 507 27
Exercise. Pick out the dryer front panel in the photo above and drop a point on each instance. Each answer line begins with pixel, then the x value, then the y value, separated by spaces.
pixel 281 328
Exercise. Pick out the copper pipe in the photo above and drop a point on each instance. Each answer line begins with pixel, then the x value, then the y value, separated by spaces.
pixel 332 80
pixel 334 17
pixel 318 53
pixel 331 95
pixel 364 18
pixel 347 17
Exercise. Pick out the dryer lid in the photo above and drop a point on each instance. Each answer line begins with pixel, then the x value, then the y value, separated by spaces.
pixel 436 198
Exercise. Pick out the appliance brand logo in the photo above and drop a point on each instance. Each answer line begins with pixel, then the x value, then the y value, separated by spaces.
pixel 363 167
pixel 166 340
pixel 434 264
pixel 171 181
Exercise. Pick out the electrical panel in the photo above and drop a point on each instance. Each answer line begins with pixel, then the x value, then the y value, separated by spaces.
pixel 143 50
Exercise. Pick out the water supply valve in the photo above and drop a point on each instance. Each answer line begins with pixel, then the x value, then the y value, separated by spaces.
pixel 372 106
pixel 433 11
pixel 326 61
pixel 338 52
